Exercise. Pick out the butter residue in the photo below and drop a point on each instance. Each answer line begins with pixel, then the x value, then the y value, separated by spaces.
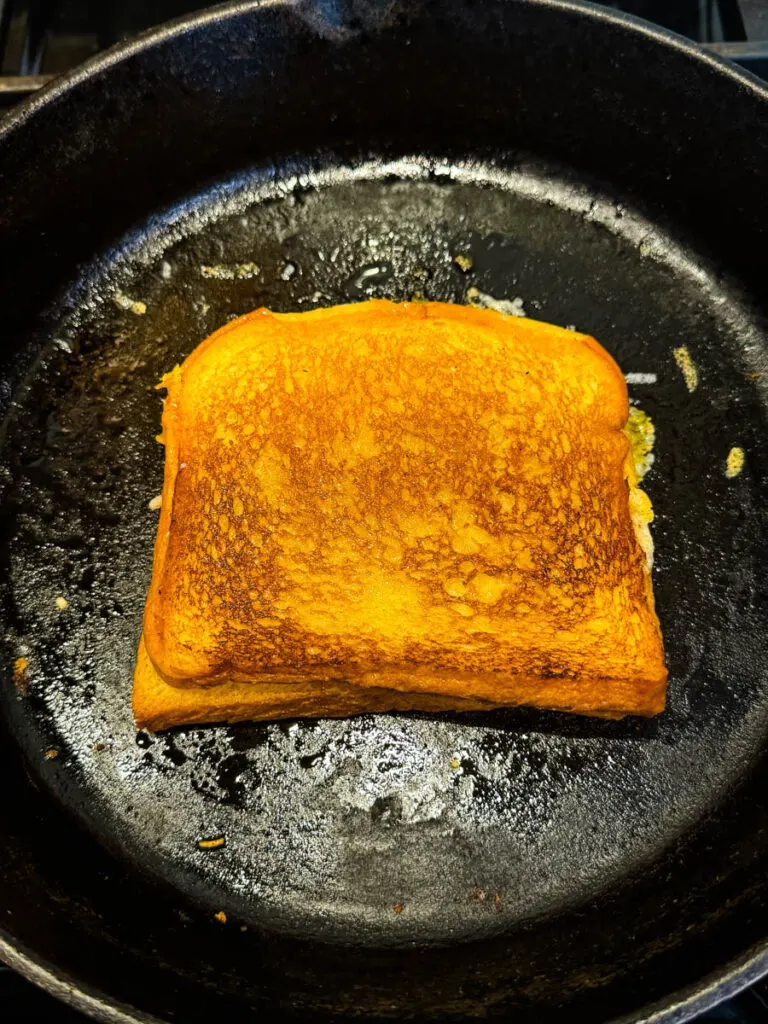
pixel 735 462
pixel 230 271
pixel 481 300
pixel 687 367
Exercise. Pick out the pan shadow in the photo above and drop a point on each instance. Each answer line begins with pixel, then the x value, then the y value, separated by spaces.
pixel 506 721
pixel 548 723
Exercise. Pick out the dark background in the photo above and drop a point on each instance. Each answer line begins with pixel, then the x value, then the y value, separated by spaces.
pixel 49 36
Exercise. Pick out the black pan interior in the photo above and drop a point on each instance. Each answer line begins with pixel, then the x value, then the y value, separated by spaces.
pixel 603 865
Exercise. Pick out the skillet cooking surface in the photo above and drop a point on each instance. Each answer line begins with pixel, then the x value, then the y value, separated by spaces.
pixel 603 867
pixel 385 829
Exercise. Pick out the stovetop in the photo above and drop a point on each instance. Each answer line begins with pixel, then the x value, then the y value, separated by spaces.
pixel 42 38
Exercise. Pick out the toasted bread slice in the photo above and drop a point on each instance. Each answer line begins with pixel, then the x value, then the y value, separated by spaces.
pixel 422 498
pixel 159 706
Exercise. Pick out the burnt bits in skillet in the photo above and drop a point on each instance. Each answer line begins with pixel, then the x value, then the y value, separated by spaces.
pixel 388 830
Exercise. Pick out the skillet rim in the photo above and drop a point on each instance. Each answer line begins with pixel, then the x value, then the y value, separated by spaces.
pixel 152 37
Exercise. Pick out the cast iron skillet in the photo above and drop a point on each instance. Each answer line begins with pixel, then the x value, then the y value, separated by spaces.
pixel 292 155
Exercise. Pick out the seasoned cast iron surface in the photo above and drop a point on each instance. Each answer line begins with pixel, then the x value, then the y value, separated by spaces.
pixel 385 830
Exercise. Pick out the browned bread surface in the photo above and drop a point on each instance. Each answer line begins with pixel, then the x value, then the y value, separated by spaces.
pixel 156 705
pixel 422 498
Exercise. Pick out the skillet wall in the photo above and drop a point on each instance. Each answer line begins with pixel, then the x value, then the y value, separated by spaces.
pixel 685 139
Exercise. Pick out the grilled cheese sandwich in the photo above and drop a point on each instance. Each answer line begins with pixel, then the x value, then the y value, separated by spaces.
pixel 403 506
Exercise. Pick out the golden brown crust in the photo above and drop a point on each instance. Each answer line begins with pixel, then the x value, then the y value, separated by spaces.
pixel 159 706
pixel 416 498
